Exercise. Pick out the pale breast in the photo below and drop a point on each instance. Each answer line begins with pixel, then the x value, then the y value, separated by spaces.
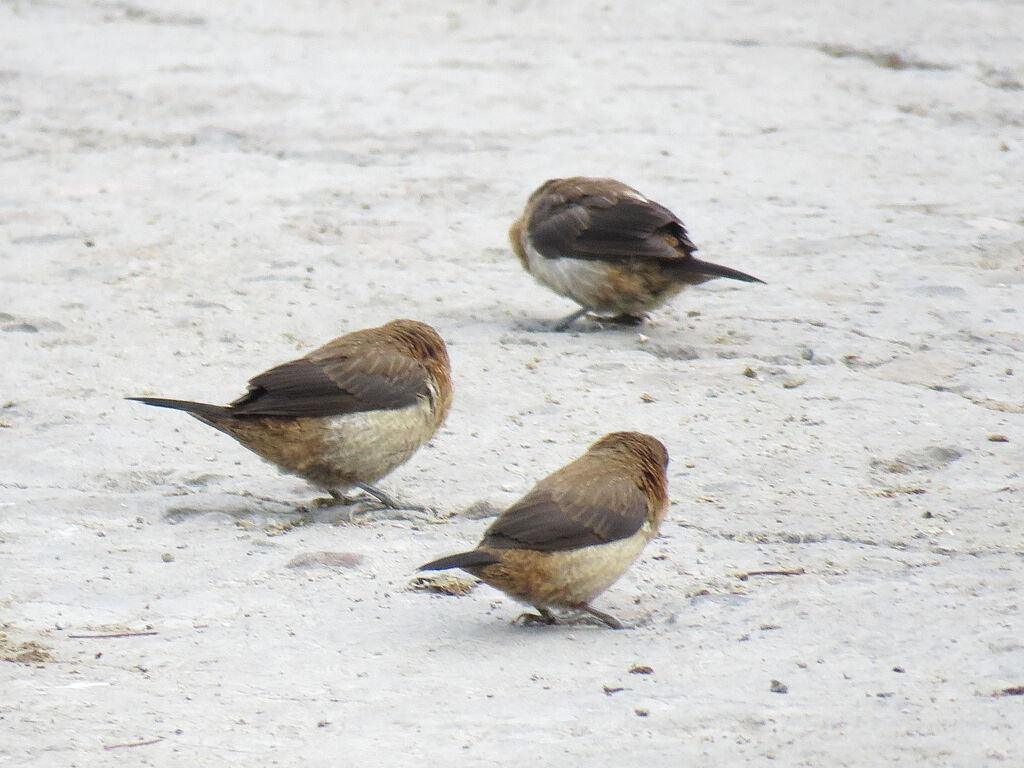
pixel 339 451
pixel 622 287
pixel 581 281
pixel 585 573
pixel 364 447
pixel 564 579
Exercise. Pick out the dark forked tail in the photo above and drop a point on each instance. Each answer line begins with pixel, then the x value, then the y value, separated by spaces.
pixel 202 410
pixel 462 560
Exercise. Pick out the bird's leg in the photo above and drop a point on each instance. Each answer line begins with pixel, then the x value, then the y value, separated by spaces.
pixel 388 501
pixel 605 618
pixel 381 506
pixel 542 616
pixel 565 322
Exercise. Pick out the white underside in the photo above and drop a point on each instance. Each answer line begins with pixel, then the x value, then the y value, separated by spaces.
pixel 585 573
pixel 371 444
pixel 576 279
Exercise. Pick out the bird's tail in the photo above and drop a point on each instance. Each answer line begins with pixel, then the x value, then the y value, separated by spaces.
pixel 696 266
pixel 201 410
pixel 476 557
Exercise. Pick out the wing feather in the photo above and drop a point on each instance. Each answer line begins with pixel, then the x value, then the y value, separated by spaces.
pixel 615 224
pixel 575 507
pixel 336 379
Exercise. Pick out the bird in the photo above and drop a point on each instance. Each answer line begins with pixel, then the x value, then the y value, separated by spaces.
pixel 609 248
pixel 576 531
pixel 347 413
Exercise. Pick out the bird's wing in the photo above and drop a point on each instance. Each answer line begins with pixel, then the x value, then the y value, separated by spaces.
pixel 612 226
pixel 570 510
pixel 336 380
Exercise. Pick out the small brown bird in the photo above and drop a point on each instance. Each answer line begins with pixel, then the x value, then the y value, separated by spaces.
pixel 347 413
pixel 608 248
pixel 577 531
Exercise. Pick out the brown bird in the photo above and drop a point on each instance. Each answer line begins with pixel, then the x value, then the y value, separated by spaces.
pixel 577 531
pixel 347 413
pixel 608 248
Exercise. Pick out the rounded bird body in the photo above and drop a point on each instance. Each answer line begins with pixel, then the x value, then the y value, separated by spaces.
pixel 567 579
pixel 335 452
pixel 577 530
pixel 346 414
pixel 629 288
pixel 607 247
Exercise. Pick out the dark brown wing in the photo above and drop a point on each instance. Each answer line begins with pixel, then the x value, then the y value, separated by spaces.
pixel 334 380
pixel 575 507
pixel 611 225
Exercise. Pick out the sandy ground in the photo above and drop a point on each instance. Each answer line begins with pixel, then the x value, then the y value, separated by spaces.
pixel 195 191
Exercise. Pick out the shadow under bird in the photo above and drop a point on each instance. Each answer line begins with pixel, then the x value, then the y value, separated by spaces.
pixel 608 248
pixel 346 414
pixel 577 531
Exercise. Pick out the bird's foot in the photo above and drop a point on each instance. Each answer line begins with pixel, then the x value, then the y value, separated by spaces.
pixel 598 618
pixel 624 320
pixel 375 506
pixel 366 512
pixel 385 507
pixel 585 615
pixel 336 499
pixel 543 616
pixel 382 497
pixel 565 322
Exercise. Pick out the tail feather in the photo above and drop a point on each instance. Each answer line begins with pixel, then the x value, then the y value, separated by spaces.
pixel 462 560
pixel 202 410
pixel 694 265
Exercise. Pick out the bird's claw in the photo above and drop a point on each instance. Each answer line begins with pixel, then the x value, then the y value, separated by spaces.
pixel 535 619
pixel 622 321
